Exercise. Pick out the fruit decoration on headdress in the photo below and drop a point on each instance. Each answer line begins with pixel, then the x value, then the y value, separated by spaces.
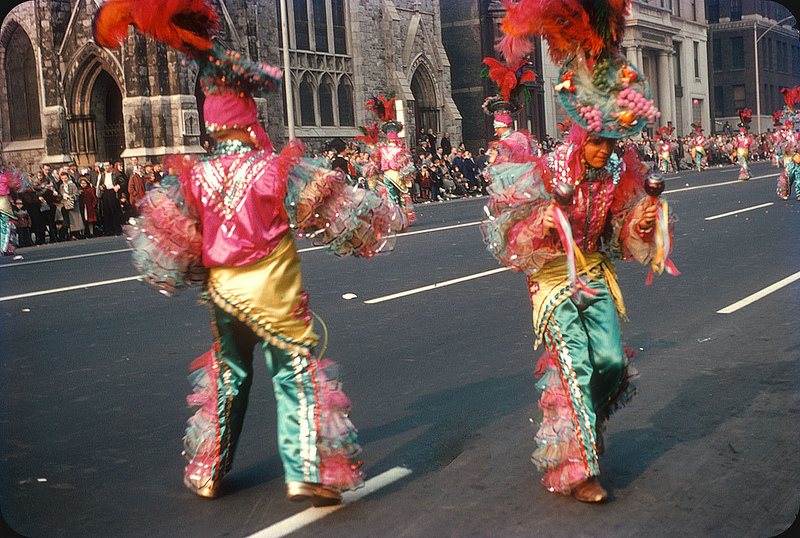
pixel 599 89
pixel 369 134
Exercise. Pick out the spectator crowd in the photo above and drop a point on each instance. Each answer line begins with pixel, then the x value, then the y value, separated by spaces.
pixel 72 203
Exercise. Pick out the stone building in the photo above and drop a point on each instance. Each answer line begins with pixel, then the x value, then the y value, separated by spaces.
pixel 737 29
pixel 63 98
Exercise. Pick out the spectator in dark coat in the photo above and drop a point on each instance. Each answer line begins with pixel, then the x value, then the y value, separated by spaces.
pixel 446 145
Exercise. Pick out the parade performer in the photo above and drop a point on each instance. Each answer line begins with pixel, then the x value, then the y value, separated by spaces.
pixel 699 145
pixel 395 170
pixel 10 180
pixel 790 145
pixel 777 139
pixel 743 143
pixel 369 170
pixel 511 145
pixel 560 220
pixel 226 221
pixel 665 149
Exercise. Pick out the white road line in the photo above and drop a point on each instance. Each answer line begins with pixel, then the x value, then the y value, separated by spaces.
pixel 66 258
pixel 434 286
pixel 739 211
pixel 310 515
pixel 69 288
pixel 759 295
pixel 439 229
pixel 670 191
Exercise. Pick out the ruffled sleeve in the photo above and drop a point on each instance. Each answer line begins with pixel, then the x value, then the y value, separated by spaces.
pixel 513 232
pixel 167 239
pixel 348 220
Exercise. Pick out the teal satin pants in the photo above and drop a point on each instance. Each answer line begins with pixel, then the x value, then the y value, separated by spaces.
pixel 587 340
pixel 296 382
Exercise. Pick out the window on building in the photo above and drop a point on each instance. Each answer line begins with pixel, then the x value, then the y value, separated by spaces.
pixel 678 65
pixel 739 97
pixel 320 25
pixel 339 28
pixel 737 52
pixel 712 11
pixel 719 101
pixel 301 39
pixel 694 10
pixel 345 95
pixel 769 55
pixel 307 115
pixel 326 104
pixel 716 54
pixel 23 91
pixel 696 59
pixel 736 10
pixel 677 7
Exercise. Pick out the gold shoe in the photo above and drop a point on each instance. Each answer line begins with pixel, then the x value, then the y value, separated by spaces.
pixel 590 491
pixel 316 494
pixel 209 489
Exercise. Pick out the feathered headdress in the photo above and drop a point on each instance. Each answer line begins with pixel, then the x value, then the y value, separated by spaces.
pixel 666 131
pixel 384 110
pixel 776 118
pixel 187 25
pixel 791 112
pixel 565 126
pixel 229 81
pixel 589 28
pixel 698 127
pixel 509 78
pixel 599 89
pixel 369 135
pixel 745 117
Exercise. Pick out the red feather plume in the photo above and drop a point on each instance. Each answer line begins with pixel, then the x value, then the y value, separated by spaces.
pixel 568 26
pixel 745 115
pixel 792 97
pixel 370 136
pixel 383 108
pixel 187 25
pixel 508 77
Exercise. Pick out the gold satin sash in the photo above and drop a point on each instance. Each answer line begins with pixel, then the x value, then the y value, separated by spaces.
pixel 268 296
pixel 550 286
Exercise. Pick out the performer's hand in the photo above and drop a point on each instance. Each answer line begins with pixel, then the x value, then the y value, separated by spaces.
pixel 647 219
pixel 549 219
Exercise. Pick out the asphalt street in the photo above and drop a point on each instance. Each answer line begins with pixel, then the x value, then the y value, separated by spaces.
pixel 94 369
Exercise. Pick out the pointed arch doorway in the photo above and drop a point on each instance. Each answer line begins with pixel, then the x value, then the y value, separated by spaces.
pixel 96 122
pixel 426 109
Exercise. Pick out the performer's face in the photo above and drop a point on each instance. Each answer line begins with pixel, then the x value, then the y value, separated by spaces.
pixel 597 150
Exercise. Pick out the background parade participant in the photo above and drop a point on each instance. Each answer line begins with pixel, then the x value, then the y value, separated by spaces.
pixel 743 143
pixel 562 218
pixel 665 148
pixel 789 147
pixel 699 144
pixel 226 222
pixel 396 171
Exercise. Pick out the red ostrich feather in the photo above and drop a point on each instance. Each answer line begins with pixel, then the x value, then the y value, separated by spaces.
pixel 383 108
pixel 792 97
pixel 568 26
pixel 370 134
pixel 187 25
